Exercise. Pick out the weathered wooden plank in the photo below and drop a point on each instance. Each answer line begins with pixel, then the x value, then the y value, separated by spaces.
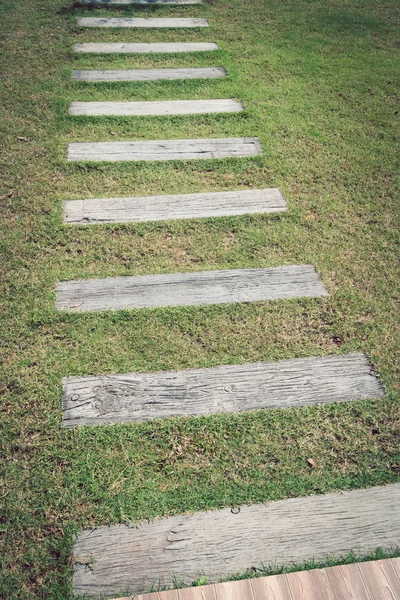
pixel 156 48
pixel 141 23
pixel 300 382
pixel 149 74
pixel 221 543
pixel 143 2
pixel 155 150
pixel 155 107
pixel 190 289
pixel 163 208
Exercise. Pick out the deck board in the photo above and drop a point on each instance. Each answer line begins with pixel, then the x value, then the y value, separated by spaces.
pixel 130 397
pixel 221 543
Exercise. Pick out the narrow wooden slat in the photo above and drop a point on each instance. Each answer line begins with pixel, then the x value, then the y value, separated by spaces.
pixel 275 587
pixel 190 289
pixel 234 590
pixel 346 582
pixel 380 582
pixel 152 23
pixel 157 48
pixel 143 2
pixel 156 150
pixel 149 74
pixel 207 592
pixel 310 585
pixel 289 383
pixel 183 206
pixel 155 107
pixel 222 543
pixel 395 562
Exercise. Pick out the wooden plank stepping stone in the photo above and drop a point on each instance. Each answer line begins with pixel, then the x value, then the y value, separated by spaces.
pixel 152 23
pixel 129 397
pixel 149 74
pixel 224 542
pixel 156 150
pixel 142 2
pixel 156 48
pixel 164 208
pixel 190 289
pixel 161 108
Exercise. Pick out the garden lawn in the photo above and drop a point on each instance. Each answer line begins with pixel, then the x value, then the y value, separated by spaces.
pixel 320 89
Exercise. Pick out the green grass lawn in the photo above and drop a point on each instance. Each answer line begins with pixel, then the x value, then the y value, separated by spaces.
pixel 319 84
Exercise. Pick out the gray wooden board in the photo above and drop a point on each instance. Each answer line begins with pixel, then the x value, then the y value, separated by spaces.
pixel 140 22
pixel 131 397
pixel 146 2
pixel 155 150
pixel 185 206
pixel 220 543
pixel 189 289
pixel 102 48
pixel 155 107
pixel 149 74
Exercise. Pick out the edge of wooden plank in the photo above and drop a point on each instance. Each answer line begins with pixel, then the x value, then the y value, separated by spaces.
pixel 181 206
pixel 222 543
pixel 293 383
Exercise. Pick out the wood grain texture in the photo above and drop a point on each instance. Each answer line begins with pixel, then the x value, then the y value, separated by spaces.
pixel 143 2
pixel 156 150
pixel 346 582
pixel 141 23
pixel 157 48
pixel 132 397
pixel 183 206
pixel 149 74
pixel 380 579
pixel 155 107
pixel 303 585
pixel 221 543
pixel 190 289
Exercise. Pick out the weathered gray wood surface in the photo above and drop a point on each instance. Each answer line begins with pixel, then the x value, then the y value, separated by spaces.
pixel 185 206
pixel 131 397
pixel 140 22
pixel 189 289
pixel 220 543
pixel 148 2
pixel 103 48
pixel 155 107
pixel 155 150
pixel 149 74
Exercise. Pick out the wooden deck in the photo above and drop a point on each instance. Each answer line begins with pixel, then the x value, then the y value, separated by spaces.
pixel 375 580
